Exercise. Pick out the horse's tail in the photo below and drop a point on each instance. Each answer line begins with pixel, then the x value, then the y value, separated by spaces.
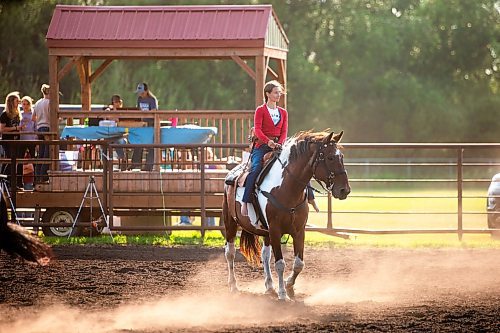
pixel 17 241
pixel 250 247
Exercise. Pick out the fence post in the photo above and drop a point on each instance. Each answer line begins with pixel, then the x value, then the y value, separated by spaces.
pixel 202 190
pixel 460 157
pixel 13 174
pixel 329 223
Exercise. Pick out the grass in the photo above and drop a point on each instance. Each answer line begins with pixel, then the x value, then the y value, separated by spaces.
pixel 313 239
pixel 433 209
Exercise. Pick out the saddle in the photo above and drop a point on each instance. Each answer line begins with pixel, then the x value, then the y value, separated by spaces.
pixel 237 177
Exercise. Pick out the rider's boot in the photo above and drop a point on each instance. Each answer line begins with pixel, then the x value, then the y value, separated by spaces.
pixel 312 202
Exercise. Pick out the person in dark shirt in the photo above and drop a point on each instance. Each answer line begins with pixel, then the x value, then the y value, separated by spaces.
pixel 10 126
pixel 146 101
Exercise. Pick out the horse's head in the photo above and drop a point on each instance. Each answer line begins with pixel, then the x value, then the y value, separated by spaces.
pixel 328 166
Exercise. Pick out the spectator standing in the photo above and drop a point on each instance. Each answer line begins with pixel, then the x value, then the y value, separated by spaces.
pixel 28 150
pixel 10 125
pixel 28 125
pixel 41 116
pixel 146 101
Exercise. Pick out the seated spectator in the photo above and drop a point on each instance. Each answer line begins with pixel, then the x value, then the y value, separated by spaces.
pixel 117 103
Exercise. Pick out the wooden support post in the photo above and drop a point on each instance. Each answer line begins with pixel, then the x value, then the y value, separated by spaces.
pixel 54 108
pixel 54 92
pixel 157 139
pixel 460 160
pixel 85 80
pixel 260 77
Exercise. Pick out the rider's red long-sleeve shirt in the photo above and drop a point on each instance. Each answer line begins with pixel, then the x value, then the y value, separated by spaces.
pixel 265 128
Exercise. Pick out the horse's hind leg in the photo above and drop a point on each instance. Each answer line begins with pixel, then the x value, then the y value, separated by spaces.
pixel 266 262
pixel 298 264
pixel 230 250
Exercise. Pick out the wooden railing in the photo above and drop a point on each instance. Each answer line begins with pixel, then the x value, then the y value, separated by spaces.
pixel 233 126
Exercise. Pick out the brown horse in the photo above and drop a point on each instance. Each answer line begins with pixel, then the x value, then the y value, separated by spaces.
pixel 16 241
pixel 283 201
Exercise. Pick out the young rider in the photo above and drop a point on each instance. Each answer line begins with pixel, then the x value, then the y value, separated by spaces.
pixel 271 128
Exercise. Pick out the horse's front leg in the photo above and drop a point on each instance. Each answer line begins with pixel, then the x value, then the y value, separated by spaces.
pixel 279 264
pixel 298 263
pixel 230 252
pixel 266 262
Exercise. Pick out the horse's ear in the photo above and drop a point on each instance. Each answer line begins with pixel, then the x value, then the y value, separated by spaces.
pixel 338 136
pixel 328 138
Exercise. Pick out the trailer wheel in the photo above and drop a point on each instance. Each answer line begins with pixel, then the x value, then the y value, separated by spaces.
pixel 60 215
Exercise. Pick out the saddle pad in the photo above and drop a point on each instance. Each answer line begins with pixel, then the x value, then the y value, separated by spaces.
pixel 269 160
pixel 234 173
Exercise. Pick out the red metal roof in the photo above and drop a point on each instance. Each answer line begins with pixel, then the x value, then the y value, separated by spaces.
pixel 101 26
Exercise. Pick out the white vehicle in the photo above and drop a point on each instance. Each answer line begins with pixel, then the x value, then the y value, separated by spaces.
pixel 493 203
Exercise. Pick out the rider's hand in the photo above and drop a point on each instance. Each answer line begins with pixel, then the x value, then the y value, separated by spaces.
pixel 271 144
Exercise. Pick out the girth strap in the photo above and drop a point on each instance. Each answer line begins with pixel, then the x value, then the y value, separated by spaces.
pixel 278 205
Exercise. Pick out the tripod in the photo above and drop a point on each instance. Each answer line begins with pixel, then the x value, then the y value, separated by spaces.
pixel 93 195
pixel 4 190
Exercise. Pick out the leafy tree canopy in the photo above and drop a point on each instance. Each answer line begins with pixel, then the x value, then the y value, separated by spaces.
pixel 382 70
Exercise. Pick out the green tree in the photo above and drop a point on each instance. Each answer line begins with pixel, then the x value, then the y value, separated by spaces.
pixel 383 70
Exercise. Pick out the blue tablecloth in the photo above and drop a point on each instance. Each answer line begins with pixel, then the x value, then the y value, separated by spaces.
pixel 143 135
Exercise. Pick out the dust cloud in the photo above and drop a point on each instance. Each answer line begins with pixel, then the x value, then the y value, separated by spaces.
pixel 395 278
pixel 378 277
pixel 203 311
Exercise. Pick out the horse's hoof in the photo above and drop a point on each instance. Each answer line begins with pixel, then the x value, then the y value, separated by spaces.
pixel 290 291
pixel 233 289
pixel 282 296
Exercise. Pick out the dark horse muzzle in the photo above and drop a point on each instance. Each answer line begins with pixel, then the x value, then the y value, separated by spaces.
pixel 339 187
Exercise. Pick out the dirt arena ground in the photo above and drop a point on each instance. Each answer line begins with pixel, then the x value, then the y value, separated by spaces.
pixel 155 289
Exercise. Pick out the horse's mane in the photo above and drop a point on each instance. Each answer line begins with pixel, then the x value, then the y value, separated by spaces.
pixel 300 142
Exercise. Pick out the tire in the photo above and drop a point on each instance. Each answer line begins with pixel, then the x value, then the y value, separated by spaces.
pixel 59 215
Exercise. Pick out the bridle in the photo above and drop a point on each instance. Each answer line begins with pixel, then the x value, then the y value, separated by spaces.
pixel 320 157
pixel 317 158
